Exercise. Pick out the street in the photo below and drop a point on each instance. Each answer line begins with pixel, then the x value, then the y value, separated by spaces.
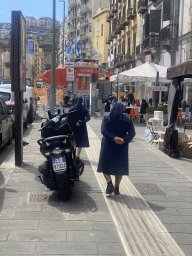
pixel 152 216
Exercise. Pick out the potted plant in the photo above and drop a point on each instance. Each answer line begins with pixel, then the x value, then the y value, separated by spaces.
pixel 149 112
pixel 165 112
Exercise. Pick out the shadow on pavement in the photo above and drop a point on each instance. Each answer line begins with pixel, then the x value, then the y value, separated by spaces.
pixel 135 203
pixel 80 201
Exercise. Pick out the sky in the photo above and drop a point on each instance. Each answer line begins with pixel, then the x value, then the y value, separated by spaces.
pixel 37 8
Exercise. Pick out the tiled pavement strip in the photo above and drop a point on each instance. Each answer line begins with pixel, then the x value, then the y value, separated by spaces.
pixel 140 230
pixel 87 224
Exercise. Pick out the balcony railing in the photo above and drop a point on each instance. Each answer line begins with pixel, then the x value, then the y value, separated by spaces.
pixel 108 19
pixel 114 8
pixel 146 42
pixel 142 6
pixel 131 13
pixel 138 49
pixel 72 3
pixel 169 32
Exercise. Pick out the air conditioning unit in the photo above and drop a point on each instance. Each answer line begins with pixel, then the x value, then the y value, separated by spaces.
pixel 154 42
pixel 154 35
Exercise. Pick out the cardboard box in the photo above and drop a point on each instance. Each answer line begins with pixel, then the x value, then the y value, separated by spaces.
pixel 162 135
pixel 160 145
pixel 186 148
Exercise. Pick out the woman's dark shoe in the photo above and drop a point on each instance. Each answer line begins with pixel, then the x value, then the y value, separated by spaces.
pixel 110 188
pixel 116 192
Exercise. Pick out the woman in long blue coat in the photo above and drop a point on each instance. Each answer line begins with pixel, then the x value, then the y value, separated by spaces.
pixel 78 115
pixel 117 130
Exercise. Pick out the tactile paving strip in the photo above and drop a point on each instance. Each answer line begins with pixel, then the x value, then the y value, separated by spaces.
pixel 149 189
pixel 39 198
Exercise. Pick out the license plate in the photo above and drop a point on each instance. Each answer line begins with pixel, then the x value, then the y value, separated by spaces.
pixel 59 163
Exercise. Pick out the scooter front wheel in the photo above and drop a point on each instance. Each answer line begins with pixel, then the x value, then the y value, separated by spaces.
pixel 63 186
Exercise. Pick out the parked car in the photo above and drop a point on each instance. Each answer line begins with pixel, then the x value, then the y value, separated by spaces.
pixel 29 94
pixel 9 97
pixel 6 124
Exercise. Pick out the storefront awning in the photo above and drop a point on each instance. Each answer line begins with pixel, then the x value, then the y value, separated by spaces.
pixel 144 73
pixel 60 76
pixel 182 70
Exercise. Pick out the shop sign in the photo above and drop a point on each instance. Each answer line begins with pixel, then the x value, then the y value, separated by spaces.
pixel 136 78
pixel 157 88
pixel 70 73
pixel 101 72
pixel 85 64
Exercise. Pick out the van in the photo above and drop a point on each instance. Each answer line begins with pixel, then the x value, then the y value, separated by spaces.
pixel 29 94
pixel 9 97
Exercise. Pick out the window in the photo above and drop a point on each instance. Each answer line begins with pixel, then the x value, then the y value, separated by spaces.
pixel 98 26
pixel 90 28
pixel 90 14
pixel 102 29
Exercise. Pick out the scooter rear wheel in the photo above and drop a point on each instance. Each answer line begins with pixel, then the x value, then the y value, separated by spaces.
pixel 63 186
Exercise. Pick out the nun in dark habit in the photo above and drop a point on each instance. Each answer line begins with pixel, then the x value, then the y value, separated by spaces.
pixel 118 131
pixel 78 120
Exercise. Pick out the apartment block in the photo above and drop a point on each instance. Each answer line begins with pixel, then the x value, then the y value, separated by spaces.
pixel 80 25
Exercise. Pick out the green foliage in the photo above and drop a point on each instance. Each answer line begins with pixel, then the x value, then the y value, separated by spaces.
pixel 150 110
pixel 163 108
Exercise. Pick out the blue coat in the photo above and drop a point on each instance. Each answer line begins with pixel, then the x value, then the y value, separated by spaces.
pixel 80 113
pixel 113 158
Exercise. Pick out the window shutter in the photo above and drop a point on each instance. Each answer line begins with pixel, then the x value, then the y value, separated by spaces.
pixel 166 10
pixel 128 46
pixel 154 21
pixel 147 26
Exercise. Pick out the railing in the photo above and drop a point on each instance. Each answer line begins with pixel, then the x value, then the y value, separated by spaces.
pixel 72 3
pixel 131 12
pixel 169 32
pixel 142 6
pixel 138 49
pixel 146 42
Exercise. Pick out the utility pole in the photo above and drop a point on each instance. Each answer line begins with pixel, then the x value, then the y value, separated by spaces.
pixel 53 91
pixel 63 48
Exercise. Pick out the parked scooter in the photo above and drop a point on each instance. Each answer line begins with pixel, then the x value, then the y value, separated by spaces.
pixel 58 145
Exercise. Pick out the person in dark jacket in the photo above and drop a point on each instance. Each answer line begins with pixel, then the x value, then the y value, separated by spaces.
pixel 144 105
pixel 117 130
pixel 130 97
pixel 78 115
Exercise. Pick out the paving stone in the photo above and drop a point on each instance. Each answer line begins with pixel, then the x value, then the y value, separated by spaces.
pixel 65 225
pixel 18 248
pixel 37 235
pixel 4 235
pixel 70 248
pixel 93 236
pixel 19 224
pixel 111 249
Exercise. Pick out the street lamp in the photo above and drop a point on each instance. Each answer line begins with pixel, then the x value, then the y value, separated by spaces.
pixel 63 29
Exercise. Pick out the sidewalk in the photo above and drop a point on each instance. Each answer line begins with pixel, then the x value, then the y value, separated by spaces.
pixel 151 217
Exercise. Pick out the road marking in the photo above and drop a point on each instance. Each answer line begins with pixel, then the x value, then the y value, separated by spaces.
pixel 140 230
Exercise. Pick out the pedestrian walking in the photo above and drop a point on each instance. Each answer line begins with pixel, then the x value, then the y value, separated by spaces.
pixel 66 96
pixel 78 115
pixel 118 131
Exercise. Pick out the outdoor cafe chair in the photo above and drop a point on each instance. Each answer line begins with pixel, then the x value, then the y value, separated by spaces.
pixel 135 113
pixel 179 116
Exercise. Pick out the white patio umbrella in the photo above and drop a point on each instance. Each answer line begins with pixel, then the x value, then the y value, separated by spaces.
pixel 144 73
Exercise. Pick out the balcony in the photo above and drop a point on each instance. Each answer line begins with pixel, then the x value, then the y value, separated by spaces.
pixel 72 3
pixel 83 23
pixel 114 8
pixel 120 26
pixel 113 34
pixel 84 36
pixel 108 19
pixel 146 43
pixel 107 41
pixel 111 14
pixel 142 6
pixel 131 13
pixel 168 35
pixel 71 28
pixel 85 8
pixel 139 49
pixel 124 21
pixel 127 58
pixel 110 39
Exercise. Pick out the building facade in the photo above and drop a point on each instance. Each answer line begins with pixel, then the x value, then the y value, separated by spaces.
pixel 124 25
pixel 100 31
pixel 80 26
